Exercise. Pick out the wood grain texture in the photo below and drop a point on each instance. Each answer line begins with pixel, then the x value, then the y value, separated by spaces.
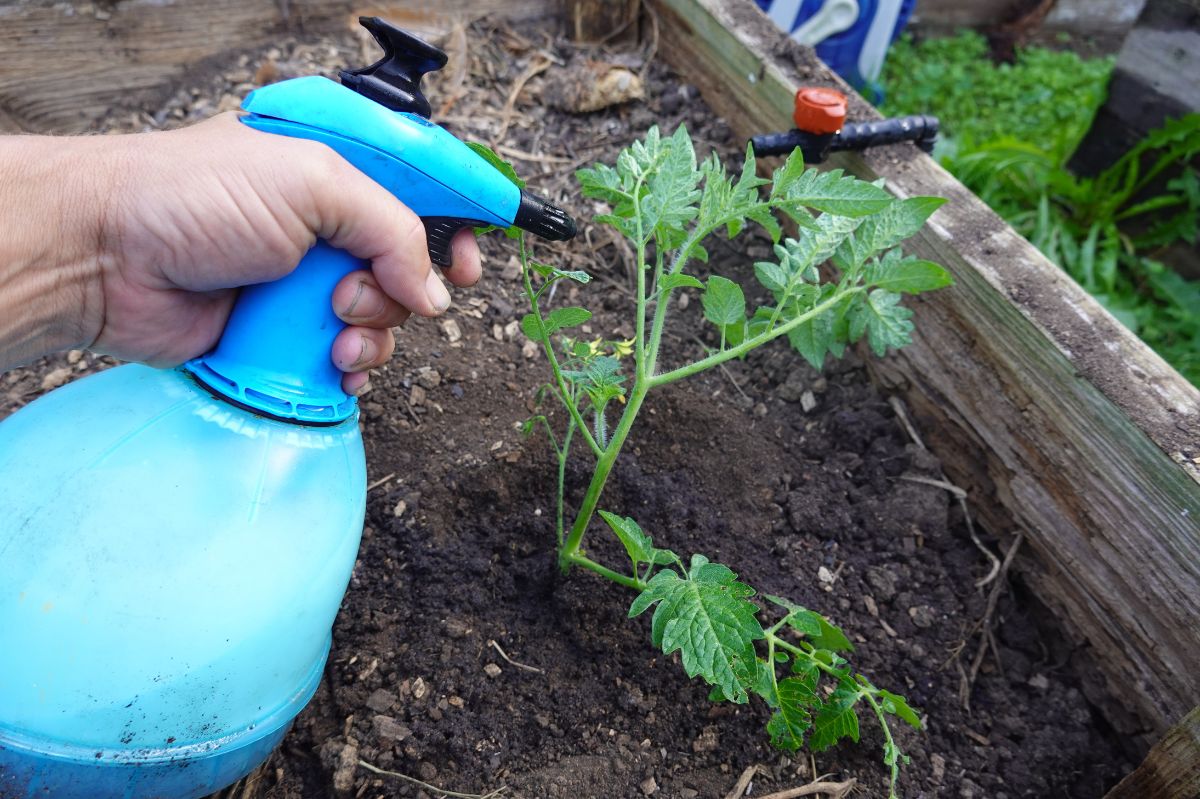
pixel 63 65
pixel 1054 417
pixel 1172 768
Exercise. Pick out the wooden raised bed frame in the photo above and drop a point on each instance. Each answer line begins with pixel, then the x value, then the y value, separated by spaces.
pixel 1058 421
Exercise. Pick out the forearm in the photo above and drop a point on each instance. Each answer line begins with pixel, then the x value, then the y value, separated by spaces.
pixel 51 209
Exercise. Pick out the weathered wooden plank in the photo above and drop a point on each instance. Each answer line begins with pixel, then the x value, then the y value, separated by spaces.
pixel 1172 768
pixel 63 65
pixel 1053 415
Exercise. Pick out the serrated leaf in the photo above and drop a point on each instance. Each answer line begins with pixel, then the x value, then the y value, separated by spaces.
pixel 835 720
pixel 885 230
pixel 558 319
pixel 723 301
pixel 885 321
pixel 671 198
pixel 909 275
pixel 835 193
pixel 898 706
pixel 679 279
pixel 785 177
pixel 773 276
pixel 708 619
pixel 813 246
pixel 812 338
pixel 816 629
pixel 561 318
pixel 793 717
pixel 639 546
pixel 547 271
pixel 799 618
pixel 763 683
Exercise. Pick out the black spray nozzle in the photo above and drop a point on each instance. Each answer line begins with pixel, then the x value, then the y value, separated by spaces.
pixel 543 218
pixel 394 81
pixel 921 130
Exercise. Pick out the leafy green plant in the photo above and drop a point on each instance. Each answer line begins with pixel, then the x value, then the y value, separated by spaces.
pixel 1104 231
pixel 667 206
pixel 1044 96
pixel 1009 132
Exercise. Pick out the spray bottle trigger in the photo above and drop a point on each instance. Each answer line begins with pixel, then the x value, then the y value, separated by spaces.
pixel 440 230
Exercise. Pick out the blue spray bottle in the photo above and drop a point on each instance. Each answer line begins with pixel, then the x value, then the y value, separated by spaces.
pixel 174 544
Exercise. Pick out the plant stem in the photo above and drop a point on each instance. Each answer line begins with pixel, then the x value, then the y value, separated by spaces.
pixel 891 743
pixel 563 454
pixel 749 344
pixel 548 346
pixel 579 559
pixel 604 464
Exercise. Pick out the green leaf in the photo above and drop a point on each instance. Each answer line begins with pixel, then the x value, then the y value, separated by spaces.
pixel 550 272
pixel 558 319
pixel 885 230
pixel 786 176
pixel 671 201
pixel 724 303
pixel 793 717
pixel 885 321
pixel 835 720
pixel 834 193
pixel 800 619
pixel 639 546
pixel 801 256
pixel 813 338
pixel 909 275
pixel 679 279
pixel 898 706
pixel 708 619
pixel 772 275
pixel 812 625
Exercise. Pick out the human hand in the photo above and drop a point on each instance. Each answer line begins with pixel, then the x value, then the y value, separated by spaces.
pixel 156 232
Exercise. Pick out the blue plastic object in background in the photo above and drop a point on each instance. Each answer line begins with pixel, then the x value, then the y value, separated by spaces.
pixel 851 36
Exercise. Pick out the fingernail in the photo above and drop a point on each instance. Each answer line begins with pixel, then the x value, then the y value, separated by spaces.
pixel 366 352
pixel 437 292
pixel 367 302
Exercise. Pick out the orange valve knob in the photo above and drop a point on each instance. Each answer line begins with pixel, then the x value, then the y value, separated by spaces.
pixel 819 110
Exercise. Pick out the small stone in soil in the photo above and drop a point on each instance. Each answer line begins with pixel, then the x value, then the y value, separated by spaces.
pixel 56 378
pixel 387 727
pixel 922 616
pixel 883 581
pixel 808 401
pixel 381 700
pixel 419 688
pixel 707 741
pixel 347 765
pixel 649 786
pixel 937 768
pixel 452 330
pixel 1039 682
pixel 492 670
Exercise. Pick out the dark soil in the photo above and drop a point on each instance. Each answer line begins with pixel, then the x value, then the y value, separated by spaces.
pixel 458 548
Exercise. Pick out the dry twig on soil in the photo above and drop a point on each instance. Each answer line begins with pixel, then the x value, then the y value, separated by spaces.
pixel 739 787
pixel 436 790
pixel 512 662
pixel 834 789
pixel 985 623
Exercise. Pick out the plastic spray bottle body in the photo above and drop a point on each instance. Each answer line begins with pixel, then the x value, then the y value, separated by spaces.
pixel 175 544
pixel 170 583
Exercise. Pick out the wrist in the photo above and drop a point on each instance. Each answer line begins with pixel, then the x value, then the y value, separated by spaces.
pixel 52 209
